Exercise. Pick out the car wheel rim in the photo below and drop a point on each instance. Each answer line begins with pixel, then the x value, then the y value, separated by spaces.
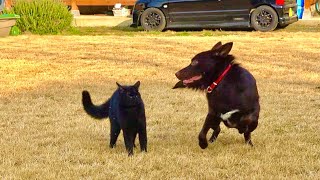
pixel 153 20
pixel 264 19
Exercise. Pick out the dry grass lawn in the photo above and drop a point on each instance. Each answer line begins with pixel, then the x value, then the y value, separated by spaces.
pixel 45 134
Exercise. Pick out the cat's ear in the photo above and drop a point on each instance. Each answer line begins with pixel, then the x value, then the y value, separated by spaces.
pixel 119 86
pixel 137 84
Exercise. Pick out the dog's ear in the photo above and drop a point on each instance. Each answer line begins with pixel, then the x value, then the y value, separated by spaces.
pixel 225 49
pixel 137 84
pixel 217 46
pixel 179 85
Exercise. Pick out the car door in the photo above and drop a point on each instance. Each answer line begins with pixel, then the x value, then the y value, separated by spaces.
pixel 236 10
pixel 194 10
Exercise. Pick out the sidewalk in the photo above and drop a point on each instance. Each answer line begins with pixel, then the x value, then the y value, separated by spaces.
pixel 101 20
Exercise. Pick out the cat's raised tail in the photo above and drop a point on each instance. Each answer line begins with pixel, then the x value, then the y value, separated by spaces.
pixel 97 112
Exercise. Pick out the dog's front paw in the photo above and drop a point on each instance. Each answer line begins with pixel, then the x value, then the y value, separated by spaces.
pixel 203 142
pixel 249 142
pixel 212 139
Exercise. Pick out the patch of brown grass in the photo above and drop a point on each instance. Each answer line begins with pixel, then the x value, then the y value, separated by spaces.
pixel 46 134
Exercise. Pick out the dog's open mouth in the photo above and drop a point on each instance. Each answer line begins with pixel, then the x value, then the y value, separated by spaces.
pixel 192 79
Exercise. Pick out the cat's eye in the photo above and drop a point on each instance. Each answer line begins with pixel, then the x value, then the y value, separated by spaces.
pixel 131 94
pixel 194 63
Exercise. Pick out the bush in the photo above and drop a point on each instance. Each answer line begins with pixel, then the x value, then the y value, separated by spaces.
pixel 42 16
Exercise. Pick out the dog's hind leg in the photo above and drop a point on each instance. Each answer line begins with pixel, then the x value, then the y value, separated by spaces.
pixel 250 123
pixel 247 138
pixel 247 134
pixel 210 122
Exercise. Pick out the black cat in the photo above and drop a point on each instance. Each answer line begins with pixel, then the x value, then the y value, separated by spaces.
pixel 126 112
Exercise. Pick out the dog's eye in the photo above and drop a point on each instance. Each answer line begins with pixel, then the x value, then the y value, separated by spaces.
pixel 194 63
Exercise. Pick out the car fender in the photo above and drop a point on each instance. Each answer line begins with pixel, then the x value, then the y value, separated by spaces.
pixel 161 5
pixel 155 4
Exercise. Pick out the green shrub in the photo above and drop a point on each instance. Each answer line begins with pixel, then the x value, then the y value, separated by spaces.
pixel 42 16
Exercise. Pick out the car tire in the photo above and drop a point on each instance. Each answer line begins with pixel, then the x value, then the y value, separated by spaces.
pixel 153 19
pixel 264 18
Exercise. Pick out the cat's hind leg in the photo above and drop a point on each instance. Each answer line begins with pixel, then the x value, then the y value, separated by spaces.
pixel 134 139
pixel 128 140
pixel 143 138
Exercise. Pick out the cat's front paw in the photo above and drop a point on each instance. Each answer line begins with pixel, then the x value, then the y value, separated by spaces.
pixel 112 145
pixel 130 153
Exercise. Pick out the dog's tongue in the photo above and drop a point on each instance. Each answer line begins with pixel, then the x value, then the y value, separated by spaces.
pixel 194 78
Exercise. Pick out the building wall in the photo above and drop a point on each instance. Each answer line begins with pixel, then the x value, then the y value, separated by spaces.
pixel 308 3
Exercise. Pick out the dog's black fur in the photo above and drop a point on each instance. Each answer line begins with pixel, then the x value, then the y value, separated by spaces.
pixel 126 112
pixel 235 100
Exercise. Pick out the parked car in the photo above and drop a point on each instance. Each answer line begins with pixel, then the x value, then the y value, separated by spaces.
pixel 262 15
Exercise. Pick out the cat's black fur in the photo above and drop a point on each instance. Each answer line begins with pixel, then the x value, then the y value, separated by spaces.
pixel 126 112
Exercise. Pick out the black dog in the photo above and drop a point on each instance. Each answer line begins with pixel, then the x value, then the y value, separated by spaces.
pixel 231 92
pixel 125 110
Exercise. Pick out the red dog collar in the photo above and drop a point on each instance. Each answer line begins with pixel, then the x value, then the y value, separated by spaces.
pixel 216 82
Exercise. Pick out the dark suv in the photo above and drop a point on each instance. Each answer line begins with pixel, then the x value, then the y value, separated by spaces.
pixel 262 15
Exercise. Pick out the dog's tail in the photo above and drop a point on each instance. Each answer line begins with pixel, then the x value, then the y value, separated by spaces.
pixel 97 112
